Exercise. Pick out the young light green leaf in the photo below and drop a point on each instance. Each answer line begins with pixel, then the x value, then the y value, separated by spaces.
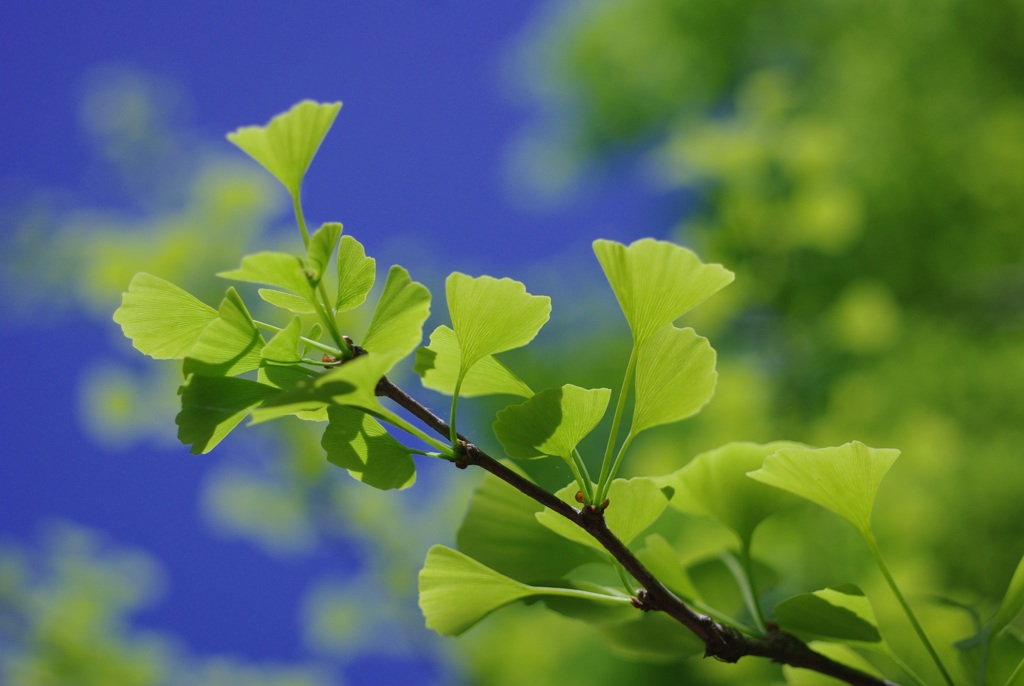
pixel 352 384
pixel 230 345
pixel 212 406
pixel 274 269
pixel 491 315
pixel 657 282
pixel 283 348
pixel 838 614
pixel 286 146
pixel 659 557
pixel 651 637
pixel 634 505
pixel 162 320
pixel 397 324
pixel 321 248
pixel 438 366
pixel 357 442
pixel 1013 601
pixel 553 422
pixel 287 301
pixel 356 274
pixel 501 531
pixel 675 377
pixel 456 592
pixel 842 479
pixel 715 485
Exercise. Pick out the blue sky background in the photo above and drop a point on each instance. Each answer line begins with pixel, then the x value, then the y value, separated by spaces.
pixel 417 166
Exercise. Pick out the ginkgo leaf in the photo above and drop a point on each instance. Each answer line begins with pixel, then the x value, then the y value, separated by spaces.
pixel 397 324
pixel 715 485
pixel 229 345
pixel 212 406
pixel 501 531
pixel 675 377
pixel 651 637
pixel 663 562
pixel 273 269
pixel 553 422
pixel 287 301
pixel 456 591
pixel 491 315
pixel 352 384
pixel 656 282
pixel 1013 601
pixel 321 249
pixel 838 614
pixel 162 320
pixel 357 442
pixel 842 479
pixel 356 274
pixel 438 366
pixel 633 506
pixel 283 348
pixel 286 146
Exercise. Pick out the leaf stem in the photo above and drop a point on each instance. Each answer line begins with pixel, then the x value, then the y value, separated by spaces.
pixel 607 474
pixel 891 581
pixel 300 218
pixel 308 341
pixel 579 470
pixel 453 434
pixel 615 467
pixel 1017 673
pixel 397 421
pixel 749 589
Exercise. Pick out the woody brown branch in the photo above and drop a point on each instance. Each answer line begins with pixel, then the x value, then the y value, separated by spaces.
pixel 721 642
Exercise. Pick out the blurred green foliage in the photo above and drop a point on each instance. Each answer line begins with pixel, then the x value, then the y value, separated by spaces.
pixel 66 609
pixel 861 167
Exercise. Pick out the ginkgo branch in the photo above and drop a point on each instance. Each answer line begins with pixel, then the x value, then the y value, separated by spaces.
pixel 721 642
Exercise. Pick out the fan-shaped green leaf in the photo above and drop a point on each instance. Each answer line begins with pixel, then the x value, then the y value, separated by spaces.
pixel 212 406
pixel 491 315
pixel 162 320
pixel 456 591
pixel 352 384
pixel 675 377
pixel 230 345
pixel 843 479
pixel 286 145
pixel 657 282
pixel 438 366
pixel 660 558
pixel 553 422
pixel 651 637
pixel 283 348
pixel 357 442
pixel 356 274
pixel 634 505
pixel 839 614
pixel 279 269
pixel 715 485
pixel 287 301
pixel 321 248
pixel 1013 601
pixel 397 324
pixel 501 531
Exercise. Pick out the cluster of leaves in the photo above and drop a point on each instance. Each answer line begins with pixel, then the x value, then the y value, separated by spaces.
pixel 511 547
pixel 858 167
